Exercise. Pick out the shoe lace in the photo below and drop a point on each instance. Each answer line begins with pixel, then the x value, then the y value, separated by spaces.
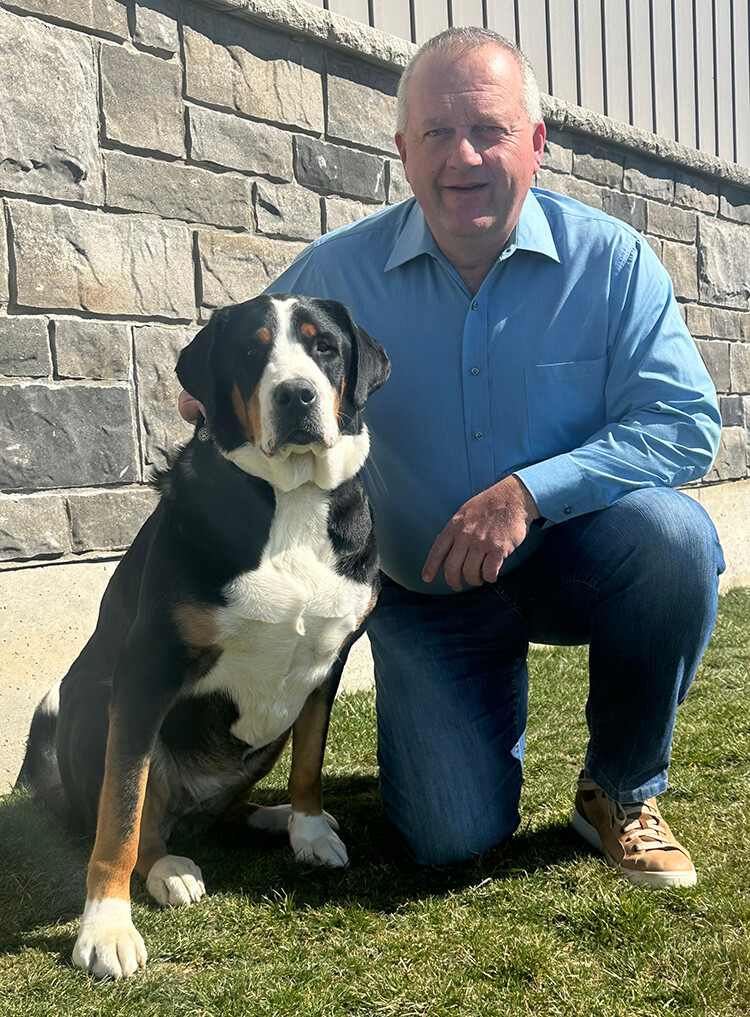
pixel 639 821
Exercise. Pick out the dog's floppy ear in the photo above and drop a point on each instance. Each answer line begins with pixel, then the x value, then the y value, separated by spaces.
pixel 370 365
pixel 193 363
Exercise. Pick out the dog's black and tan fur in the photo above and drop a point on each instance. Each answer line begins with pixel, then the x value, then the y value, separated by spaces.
pixel 226 625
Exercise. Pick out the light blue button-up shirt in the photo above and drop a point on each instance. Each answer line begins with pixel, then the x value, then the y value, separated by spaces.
pixel 570 367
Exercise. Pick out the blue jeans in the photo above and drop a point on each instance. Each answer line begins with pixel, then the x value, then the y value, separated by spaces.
pixel 637 581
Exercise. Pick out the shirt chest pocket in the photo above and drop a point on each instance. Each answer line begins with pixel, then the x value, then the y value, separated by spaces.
pixel 565 404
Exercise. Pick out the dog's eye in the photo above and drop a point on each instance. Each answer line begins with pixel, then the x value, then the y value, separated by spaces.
pixel 323 346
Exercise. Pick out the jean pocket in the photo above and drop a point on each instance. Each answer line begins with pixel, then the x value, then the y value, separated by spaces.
pixel 565 404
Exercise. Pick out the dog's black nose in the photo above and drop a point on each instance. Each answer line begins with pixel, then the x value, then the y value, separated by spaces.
pixel 297 393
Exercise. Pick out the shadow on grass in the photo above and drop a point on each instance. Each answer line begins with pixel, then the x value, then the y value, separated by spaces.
pixel 44 865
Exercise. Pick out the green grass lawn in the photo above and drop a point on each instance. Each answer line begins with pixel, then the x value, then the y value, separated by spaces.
pixel 540 926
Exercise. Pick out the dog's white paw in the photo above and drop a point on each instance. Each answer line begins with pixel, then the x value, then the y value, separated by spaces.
pixel 175 881
pixel 276 818
pixel 314 841
pixel 108 944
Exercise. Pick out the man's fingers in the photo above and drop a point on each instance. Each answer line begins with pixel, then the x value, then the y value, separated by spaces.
pixel 473 566
pixel 436 557
pixel 491 566
pixel 189 407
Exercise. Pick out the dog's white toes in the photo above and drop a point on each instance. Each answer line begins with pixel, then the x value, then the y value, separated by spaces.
pixel 314 841
pixel 108 944
pixel 175 881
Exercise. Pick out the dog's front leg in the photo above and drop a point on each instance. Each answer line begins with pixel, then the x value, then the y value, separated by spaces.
pixel 311 831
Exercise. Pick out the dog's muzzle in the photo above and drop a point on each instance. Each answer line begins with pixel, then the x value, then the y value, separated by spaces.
pixel 296 413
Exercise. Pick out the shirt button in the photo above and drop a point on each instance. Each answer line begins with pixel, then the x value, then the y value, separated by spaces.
pixel 479 435
pixel 475 306
pixel 475 371
pixel 568 510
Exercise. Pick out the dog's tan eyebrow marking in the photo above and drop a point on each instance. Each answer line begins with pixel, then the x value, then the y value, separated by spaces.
pixel 264 334
pixel 308 330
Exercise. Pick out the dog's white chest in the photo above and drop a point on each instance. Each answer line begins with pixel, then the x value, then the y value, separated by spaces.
pixel 285 621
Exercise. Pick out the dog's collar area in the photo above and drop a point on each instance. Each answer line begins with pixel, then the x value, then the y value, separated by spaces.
pixel 204 434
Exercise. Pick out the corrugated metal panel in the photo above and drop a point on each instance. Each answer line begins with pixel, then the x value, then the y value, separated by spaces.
pixel 741 41
pixel 684 52
pixel 642 100
pixel 591 55
pixel 562 47
pixel 617 64
pixel 532 33
pixel 704 74
pixel 723 60
pixel 661 12
pixel 357 10
pixel 679 67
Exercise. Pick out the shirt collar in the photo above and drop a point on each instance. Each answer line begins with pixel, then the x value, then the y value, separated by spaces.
pixel 532 233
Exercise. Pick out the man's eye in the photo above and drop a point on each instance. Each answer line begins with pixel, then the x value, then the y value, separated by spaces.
pixel 436 132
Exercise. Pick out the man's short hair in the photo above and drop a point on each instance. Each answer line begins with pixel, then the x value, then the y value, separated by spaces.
pixel 462 40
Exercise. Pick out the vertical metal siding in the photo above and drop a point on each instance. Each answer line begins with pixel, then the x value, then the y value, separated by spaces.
pixel 677 67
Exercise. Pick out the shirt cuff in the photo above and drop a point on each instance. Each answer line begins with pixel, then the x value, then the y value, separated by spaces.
pixel 560 488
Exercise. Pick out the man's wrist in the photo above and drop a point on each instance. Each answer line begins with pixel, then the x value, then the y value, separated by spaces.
pixel 532 512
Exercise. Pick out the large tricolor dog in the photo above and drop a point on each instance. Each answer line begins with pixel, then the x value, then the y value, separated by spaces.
pixel 226 625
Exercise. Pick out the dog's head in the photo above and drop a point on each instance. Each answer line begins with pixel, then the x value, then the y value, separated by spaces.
pixel 284 378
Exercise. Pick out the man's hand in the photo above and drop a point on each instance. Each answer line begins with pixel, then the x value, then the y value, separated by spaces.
pixel 482 534
pixel 190 409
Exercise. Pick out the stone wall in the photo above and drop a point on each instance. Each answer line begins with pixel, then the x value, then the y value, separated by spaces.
pixel 159 159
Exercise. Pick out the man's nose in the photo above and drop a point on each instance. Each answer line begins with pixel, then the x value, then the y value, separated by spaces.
pixel 463 153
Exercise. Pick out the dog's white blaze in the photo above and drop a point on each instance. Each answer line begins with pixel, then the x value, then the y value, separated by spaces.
pixel 289 359
pixel 284 621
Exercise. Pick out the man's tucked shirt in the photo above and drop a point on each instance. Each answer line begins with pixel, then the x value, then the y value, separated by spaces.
pixel 570 367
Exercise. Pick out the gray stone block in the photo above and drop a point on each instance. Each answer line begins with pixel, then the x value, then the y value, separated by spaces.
pixel 657 246
pixel 286 211
pixel 110 17
pixel 69 258
pixel 24 347
pixel 681 261
pixel 732 410
pixel 142 100
pixel 49 145
pixel 95 350
pixel 109 520
pixel 176 191
pixel 699 321
pixel 240 66
pixel 333 168
pixel 731 459
pixel 32 526
pixel 739 367
pixel 359 111
pixel 157 348
pixel 65 436
pixel 4 267
pixel 597 164
pixel 651 179
pixel 342 211
pixel 580 190
pixel 727 324
pixel 696 192
pixel 156 25
pixel 558 152
pixel 227 140
pixel 715 356
pixel 236 268
pixel 734 203
pixel 628 207
pixel 723 257
pixel 398 185
pixel 671 222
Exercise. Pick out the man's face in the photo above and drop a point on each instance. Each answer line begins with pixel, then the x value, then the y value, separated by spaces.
pixel 469 151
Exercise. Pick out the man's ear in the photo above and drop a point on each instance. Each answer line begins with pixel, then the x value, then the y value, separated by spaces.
pixel 370 367
pixel 193 363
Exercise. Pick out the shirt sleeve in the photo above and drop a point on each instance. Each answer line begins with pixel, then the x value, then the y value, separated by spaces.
pixel 665 424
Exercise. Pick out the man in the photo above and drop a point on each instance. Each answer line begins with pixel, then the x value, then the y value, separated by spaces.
pixel 545 398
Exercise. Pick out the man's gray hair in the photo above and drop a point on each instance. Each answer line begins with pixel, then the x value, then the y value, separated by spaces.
pixel 462 40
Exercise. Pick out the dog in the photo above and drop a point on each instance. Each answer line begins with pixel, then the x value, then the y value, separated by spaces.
pixel 226 625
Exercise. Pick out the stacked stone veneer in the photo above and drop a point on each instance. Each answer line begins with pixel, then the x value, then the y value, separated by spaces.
pixel 162 159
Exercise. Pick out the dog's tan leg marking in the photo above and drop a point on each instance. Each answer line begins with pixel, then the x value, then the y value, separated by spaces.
pixel 151 847
pixel 310 833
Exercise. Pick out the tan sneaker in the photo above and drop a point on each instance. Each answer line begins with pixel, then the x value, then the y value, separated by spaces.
pixel 632 837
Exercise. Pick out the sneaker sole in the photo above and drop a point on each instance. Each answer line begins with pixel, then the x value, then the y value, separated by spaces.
pixel 651 879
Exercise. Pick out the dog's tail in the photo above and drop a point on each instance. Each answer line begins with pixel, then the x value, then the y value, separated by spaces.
pixel 40 772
